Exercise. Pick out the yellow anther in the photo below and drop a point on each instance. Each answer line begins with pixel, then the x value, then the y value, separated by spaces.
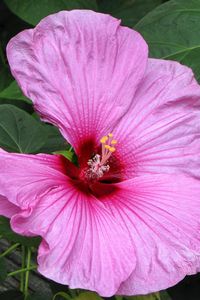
pixel 113 142
pixel 112 149
pixel 103 139
pixel 107 147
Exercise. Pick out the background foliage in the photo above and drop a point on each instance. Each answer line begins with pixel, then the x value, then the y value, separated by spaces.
pixel 172 30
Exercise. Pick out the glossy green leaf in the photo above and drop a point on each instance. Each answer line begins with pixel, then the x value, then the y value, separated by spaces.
pixel 130 11
pixel 154 296
pixel 32 11
pixel 7 233
pixel 19 132
pixel 3 271
pixel 88 296
pixel 13 92
pixel 172 32
pixel 54 141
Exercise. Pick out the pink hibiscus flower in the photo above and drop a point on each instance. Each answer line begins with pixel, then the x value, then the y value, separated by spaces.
pixel 126 220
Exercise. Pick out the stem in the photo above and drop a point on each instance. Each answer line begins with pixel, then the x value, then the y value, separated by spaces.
pixel 21 271
pixel 9 250
pixel 27 273
pixel 23 266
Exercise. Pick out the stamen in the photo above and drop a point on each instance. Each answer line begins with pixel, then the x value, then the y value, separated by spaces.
pixel 112 149
pixel 103 142
pixel 107 149
pixel 113 142
pixel 103 139
pixel 98 164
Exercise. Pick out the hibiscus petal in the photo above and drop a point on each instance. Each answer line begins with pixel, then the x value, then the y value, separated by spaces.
pixel 162 215
pixel 161 132
pixel 7 209
pixel 81 69
pixel 24 177
pixel 83 245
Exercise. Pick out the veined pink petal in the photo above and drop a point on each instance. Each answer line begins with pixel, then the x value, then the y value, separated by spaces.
pixel 23 178
pixel 83 245
pixel 161 132
pixel 162 215
pixel 7 209
pixel 81 70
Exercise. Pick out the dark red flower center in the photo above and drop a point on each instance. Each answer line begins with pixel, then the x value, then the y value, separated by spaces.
pixel 98 168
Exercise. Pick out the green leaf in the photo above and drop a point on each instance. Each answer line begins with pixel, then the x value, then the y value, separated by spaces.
pixel 11 295
pixel 66 153
pixel 172 32
pixel 3 271
pixel 154 296
pixel 7 233
pixel 19 132
pixel 13 92
pixel 88 296
pixel 54 140
pixel 130 11
pixel 32 11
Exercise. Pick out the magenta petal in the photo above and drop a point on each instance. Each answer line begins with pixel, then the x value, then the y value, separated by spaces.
pixel 7 209
pixel 161 131
pixel 23 178
pixel 83 245
pixel 162 215
pixel 81 70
